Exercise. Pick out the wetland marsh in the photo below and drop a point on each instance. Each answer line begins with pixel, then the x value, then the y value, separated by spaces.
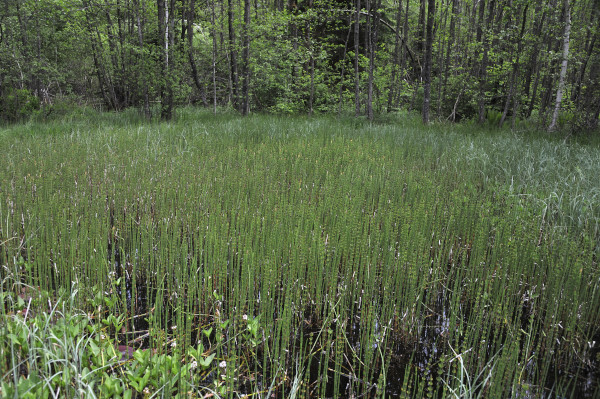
pixel 293 257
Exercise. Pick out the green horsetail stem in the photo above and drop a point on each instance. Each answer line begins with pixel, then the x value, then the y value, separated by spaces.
pixel 380 259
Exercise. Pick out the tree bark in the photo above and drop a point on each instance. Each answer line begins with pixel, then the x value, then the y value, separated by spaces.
pixel 428 61
pixel 246 60
pixel 371 28
pixel 395 58
pixel 515 71
pixel 104 81
pixel 214 55
pixel 341 91
pixel 191 16
pixel 311 66
pixel 534 67
pixel 484 39
pixel 547 81
pixel 449 44
pixel 590 50
pixel 356 60
pixel 232 55
pixel 165 25
pixel 114 51
pixel 563 70
pixel 141 60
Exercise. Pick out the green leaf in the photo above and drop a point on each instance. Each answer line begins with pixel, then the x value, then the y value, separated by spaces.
pixel 205 362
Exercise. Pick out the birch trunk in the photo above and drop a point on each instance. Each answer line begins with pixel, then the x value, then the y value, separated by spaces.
pixel 563 69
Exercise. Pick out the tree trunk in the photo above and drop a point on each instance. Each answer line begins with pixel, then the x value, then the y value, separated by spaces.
pixel 590 50
pixel 141 60
pixel 484 39
pixel 191 16
pixel 547 81
pixel 449 44
pixel 371 40
pixel 214 55
pixel 356 60
pixel 534 66
pixel 405 35
pixel 428 60
pixel 515 72
pixel 341 92
pixel 563 70
pixel 106 86
pixel 114 51
pixel 246 60
pixel 171 37
pixel 165 11
pixel 311 66
pixel 421 30
pixel 232 55
pixel 27 59
pixel 395 58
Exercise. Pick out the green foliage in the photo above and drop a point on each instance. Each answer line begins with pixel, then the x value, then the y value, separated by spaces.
pixel 63 351
pixel 18 105
pixel 266 255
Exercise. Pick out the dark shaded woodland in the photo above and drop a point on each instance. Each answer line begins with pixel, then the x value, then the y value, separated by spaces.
pixel 498 62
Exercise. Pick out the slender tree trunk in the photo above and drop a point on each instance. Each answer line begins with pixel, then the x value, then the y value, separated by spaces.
pixel 293 29
pixel 534 66
pixel 214 55
pixel 428 60
pixel 106 86
pixel 372 30
pixel 440 55
pixel 114 57
pixel 171 58
pixel 421 31
pixel 25 50
pixel 516 67
pixel 141 60
pixel 590 50
pixel 191 16
pixel 356 60
pixel 563 70
pixel 311 65
pixel 484 60
pixel 445 73
pixel 246 59
pixel 165 11
pixel 341 92
pixel 395 58
pixel 124 85
pixel 405 35
pixel 232 55
pixel 161 10
pixel 547 82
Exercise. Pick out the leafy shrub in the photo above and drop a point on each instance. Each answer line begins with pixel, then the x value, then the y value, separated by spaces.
pixel 17 105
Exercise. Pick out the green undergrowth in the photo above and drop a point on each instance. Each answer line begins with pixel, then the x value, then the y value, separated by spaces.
pixel 49 349
pixel 352 258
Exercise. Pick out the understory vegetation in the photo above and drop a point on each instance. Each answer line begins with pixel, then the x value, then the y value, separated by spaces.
pixel 498 62
pixel 266 256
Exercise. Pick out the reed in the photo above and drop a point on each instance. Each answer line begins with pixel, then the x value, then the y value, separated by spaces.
pixel 313 257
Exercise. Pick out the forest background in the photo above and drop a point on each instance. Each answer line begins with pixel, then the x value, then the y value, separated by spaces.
pixel 496 61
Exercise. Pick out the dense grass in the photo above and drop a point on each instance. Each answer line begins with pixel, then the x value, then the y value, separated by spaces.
pixel 379 259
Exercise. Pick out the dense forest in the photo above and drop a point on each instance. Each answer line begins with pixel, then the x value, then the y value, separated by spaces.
pixel 494 61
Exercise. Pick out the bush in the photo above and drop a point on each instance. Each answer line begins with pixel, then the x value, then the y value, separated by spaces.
pixel 17 105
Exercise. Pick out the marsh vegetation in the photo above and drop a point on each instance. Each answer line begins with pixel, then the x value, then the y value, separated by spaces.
pixel 293 257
